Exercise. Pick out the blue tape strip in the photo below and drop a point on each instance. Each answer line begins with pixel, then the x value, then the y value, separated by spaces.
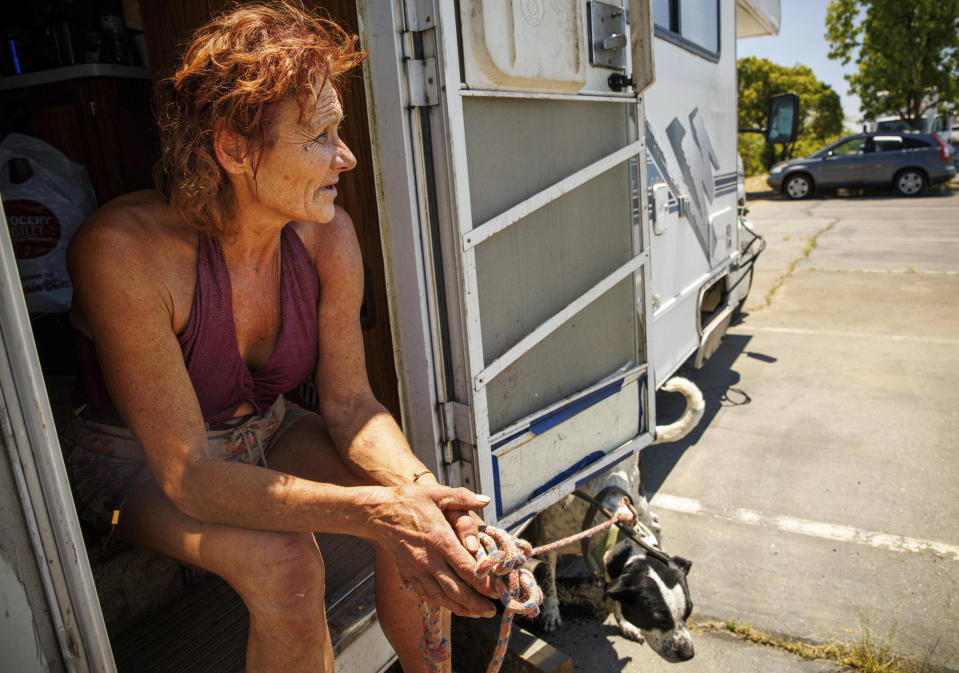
pixel 520 522
pixel 496 489
pixel 543 424
pixel 605 468
pixel 568 472
pixel 509 439
pixel 554 418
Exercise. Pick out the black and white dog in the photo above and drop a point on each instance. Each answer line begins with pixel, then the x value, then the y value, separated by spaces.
pixel 651 600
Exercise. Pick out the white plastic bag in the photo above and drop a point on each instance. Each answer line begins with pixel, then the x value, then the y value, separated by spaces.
pixel 45 201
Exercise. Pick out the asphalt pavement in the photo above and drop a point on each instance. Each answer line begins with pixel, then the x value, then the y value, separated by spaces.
pixel 817 498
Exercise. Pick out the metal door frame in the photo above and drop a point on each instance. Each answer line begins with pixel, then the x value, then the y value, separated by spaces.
pixel 33 449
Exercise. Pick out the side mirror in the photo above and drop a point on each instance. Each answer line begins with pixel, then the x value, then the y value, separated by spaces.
pixel 783 124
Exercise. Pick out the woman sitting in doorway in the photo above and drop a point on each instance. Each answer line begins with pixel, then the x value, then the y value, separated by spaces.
pixel 201 304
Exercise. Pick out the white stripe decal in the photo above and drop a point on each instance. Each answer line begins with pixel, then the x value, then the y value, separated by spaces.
pixel 895 272
pixel 826 531
pixel 845 334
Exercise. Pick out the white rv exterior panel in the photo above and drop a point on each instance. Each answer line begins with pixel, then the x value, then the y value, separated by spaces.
pixel 530 463
pixel 691 134
pixel 518 45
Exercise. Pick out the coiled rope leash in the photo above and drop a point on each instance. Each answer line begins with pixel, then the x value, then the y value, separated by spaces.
pixel 503 556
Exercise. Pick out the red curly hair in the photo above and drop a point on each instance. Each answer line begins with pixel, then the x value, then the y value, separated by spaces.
pixel 237 68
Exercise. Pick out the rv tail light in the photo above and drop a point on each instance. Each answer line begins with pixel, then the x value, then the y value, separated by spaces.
pixel 943 152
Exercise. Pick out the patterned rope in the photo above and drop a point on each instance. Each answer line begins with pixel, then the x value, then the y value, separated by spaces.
pixel 502 556
pixel 434 646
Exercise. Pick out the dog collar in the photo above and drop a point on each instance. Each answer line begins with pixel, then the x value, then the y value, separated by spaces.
pixel 596 559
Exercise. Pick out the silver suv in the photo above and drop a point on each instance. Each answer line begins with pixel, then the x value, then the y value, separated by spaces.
pixel 906 161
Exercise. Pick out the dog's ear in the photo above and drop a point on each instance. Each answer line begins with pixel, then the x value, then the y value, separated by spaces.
pixel 615 559
pixel 683 564
pixel 619 590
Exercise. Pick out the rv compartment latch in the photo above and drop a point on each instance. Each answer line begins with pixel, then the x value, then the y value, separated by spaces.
pixel 614 41
pixel 608 28
pixel 618 81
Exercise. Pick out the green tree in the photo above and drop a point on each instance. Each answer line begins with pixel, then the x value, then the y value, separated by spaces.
pixel 820 111
pixel 907 54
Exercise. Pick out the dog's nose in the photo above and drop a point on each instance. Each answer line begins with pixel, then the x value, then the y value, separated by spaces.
pixel 685 653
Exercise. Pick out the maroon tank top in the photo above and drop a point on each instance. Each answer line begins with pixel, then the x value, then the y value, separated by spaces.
pixel 220 377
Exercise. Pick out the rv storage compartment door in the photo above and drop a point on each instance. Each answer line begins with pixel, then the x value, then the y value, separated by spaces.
pixel 547 256
pixel 523 46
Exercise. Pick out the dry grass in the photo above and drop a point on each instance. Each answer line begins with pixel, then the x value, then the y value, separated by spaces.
pixel 867 653
pixel 809 244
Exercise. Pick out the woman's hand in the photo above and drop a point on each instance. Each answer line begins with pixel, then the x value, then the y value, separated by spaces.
pixel 411 523
pixel 467 525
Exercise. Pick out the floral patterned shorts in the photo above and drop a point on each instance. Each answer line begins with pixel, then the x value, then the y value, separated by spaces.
pixel 106 462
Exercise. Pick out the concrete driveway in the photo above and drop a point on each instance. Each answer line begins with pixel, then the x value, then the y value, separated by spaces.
pixel 817 499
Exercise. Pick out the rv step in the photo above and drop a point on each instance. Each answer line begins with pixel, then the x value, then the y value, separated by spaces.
pixel 205 630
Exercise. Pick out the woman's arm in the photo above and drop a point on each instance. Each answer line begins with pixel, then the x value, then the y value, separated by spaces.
pixel 366 435
pixel 368 438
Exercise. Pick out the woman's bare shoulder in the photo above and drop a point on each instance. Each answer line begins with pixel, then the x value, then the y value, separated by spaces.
pixel 336 254
pixel 328 241
pixel 132 230
pixel 133 256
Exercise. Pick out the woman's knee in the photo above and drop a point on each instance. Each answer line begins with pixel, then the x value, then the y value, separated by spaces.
pixel 282 573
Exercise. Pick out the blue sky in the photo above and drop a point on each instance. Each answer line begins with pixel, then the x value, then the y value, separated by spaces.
pixel 802 39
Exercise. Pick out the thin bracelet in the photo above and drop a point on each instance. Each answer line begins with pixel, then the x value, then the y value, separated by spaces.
pixel 417 475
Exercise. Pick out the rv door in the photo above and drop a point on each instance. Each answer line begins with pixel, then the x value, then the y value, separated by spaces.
pixel 511 166
pixel 51 616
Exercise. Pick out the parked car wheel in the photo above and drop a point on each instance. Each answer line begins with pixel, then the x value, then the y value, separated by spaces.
pixel 909 181
pixel 798 186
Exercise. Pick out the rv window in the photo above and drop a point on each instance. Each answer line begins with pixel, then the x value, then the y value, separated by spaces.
pixel 689 24
pixel 662 15
pixel 700 24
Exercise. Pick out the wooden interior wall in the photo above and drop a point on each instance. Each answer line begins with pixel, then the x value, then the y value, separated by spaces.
pixel 167 28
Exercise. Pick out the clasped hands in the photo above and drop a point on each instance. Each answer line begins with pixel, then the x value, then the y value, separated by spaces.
pixel 432 533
